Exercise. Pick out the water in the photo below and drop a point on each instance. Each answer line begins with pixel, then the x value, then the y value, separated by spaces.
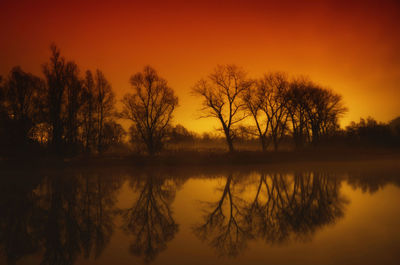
pixel 330 215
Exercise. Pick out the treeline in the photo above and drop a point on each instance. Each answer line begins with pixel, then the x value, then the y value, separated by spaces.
pixel 64 113
pixel 275 105
pixel 68 112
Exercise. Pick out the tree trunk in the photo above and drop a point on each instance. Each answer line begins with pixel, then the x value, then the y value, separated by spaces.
pixel 229 141
pixel 230 145
pixel 263 143
pixel 275 144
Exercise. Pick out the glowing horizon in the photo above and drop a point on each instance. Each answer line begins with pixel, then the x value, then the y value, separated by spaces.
pixel 352 48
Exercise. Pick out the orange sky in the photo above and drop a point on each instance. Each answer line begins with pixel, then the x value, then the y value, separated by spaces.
pixel 351 46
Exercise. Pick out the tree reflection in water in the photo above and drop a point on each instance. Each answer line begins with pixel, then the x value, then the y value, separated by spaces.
pixel 225 221
pixel 62 216
pixel 79 217
pixel 281 208
pixel 19 216
pixel 149 220
pixel 59 217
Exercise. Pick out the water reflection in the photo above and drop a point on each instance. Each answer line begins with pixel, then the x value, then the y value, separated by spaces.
pixel 225 225
pixel 19 216
pixel 77 216
pixel 294 206
pixel 149 221
pixel 372 181
pixel 280 208
pixel 64 217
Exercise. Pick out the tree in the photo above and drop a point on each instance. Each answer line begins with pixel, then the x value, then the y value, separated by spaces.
pixel 323 109
pixel 368 132
pixel 274 87
pixel 22 104
pixel 73 106
pixel 88 112
pixel 54 72
pixel 314 111
pixel 105 101
pixel 221 97
pixel 113 134
pixel 3 116
pixel 253 101
pixel 266 98
pixel 150 107
pixel 296 106
pixel 179 134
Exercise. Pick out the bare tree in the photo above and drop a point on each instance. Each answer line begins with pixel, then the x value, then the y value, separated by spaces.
pixel 253 102
pixel 296 107
pixel 274 86
pixel 265 102
pixel 105 102
pixel 88 113
pixel 150 107
pixel 313 111
pixel 323 109
pixel 54 72
pixel 221 97
pixel 73 104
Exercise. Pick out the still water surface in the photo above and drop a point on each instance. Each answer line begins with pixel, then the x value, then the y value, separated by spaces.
pixel 202 216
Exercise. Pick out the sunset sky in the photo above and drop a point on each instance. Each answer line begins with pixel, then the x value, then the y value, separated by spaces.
pixel 352 47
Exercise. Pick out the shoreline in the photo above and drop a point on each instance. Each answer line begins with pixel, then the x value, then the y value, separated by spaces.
pixel 206 159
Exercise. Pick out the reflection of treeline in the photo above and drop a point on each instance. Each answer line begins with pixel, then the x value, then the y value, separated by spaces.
pixel 63 217
pixel 68 112
pixel 280 208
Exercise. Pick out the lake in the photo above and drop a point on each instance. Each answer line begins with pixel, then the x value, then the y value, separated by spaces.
pixel 316 214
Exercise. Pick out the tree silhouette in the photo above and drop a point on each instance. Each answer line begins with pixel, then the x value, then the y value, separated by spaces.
pixel 274 87
pixel 296 106
pixel 314 111
pixel 78 109
pixel 73 101
pixel 221 94
pixel 368 132
pixel 323 111
pixel 150 107
pixel 21 108
pixel 104 98
pixel 54 72
pixel 89 108
pixel 267 98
